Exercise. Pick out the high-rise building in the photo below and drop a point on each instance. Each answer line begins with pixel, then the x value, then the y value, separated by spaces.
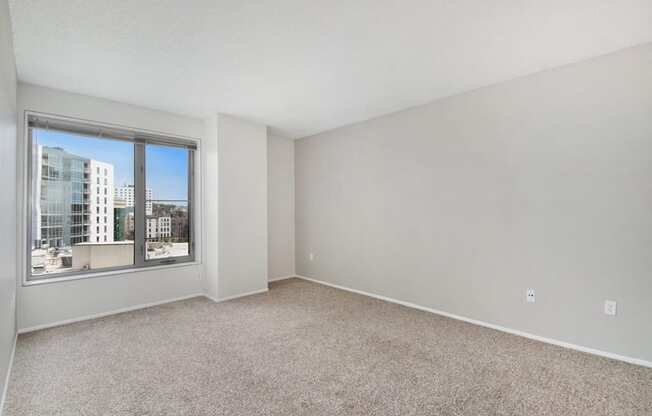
pixel 127 192
pixel 61 196
pixel 164 227
pixel 101 202
pixel 73 199
pixel 123 224
pixel 152 229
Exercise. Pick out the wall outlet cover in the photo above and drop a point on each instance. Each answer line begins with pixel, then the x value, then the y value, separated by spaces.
pixel 530 296
pixel 610 307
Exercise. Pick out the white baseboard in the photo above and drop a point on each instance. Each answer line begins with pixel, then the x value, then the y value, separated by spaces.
pixel 241 295
pixel 8 376
pixel 593 351
pixel 276 279
pixel 103 314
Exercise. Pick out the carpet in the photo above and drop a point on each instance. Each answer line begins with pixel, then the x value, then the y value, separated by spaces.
pixel 307 349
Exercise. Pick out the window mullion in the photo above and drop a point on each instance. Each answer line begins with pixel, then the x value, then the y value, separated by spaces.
pixel 191 207
pixel 139 202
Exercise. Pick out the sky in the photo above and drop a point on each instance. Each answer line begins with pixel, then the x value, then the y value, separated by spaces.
pixel 166 167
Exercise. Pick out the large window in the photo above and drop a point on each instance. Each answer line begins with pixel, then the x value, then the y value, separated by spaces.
pixel 104 198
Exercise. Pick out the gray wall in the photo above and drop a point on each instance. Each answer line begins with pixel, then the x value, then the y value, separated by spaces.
pixel 210 191
pixel 542 182
pixel 8 199
pixel 280 207
pixel 242 207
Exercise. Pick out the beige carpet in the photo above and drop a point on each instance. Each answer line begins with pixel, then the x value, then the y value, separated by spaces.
pixel 305 349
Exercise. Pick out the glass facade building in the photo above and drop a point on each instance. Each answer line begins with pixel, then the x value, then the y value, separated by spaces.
pixel 61 196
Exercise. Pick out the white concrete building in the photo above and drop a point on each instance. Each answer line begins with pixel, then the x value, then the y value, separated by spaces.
pixel 164 227
pixel 127 192
pixel 160 227
pixel 101 202
pixel 152 228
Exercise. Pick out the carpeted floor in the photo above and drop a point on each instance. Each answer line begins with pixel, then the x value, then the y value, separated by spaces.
pixel 306 349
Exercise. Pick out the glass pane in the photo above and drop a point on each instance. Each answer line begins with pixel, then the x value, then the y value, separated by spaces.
pixel 167 226
pixel 78 221
pixel 167 230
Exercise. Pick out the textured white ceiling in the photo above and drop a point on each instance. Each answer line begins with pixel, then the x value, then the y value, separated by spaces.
pixel 304 66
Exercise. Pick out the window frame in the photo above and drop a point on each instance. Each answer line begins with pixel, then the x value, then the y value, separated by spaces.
pixel 140 138
pixel 140 203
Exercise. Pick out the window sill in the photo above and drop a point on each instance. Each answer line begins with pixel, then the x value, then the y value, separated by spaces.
pixel 108 273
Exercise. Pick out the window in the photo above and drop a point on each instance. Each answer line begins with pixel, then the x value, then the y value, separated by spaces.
pixel 167 202
pixel 150 206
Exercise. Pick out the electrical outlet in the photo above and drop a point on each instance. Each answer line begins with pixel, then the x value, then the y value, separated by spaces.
pixel 312 256
pixel 530 296
pixel 610 307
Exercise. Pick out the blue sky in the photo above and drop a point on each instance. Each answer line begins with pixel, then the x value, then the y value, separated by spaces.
pixel 167 172
pixel 167 167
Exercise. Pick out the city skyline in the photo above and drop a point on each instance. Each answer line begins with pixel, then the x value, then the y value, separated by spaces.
pixel 83 188
pixel 163 163
pixel 79 206
pixel 75 199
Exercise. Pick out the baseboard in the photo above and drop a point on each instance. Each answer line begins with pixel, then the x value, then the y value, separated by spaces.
pixel 241 295
pixel 103 314
pixel 8 376
pixel 563 344
pixel 276 279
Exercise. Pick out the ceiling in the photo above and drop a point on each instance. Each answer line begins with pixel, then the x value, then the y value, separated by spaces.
pixel 305 66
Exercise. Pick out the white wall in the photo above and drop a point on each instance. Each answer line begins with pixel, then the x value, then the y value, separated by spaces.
pixel 47 303
pixel 8 200
pixel 280 200
pixel 242 211
pixel 211 205
pixel 543 182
